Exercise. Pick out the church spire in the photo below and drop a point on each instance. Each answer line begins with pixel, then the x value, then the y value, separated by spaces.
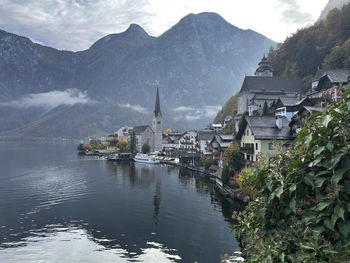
pixel 157 106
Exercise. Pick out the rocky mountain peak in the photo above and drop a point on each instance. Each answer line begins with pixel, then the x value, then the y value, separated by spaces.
pixel 136 29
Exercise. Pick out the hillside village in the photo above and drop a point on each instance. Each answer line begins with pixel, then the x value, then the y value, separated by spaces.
pixel 271 111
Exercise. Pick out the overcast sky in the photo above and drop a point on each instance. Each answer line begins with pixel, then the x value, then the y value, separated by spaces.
pixel 76 24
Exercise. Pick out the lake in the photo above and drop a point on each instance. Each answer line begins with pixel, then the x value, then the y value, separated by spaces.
pixel 58 207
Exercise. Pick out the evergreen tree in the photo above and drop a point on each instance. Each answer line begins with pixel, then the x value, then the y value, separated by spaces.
pixel 132 143
pixel 265 109
pixel 145 148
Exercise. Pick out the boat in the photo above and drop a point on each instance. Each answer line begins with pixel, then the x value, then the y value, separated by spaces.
pixel 145 158
pixel 120 157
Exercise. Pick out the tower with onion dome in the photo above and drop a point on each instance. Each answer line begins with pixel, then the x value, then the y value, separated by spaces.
pixel 265 69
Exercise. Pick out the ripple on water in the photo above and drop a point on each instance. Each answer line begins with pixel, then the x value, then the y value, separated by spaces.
pixel 56 246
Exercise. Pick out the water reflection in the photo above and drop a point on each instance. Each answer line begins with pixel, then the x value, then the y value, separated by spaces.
pixel 60 205
pixel 61 244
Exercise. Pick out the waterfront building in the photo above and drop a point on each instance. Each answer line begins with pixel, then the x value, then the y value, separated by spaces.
pixel 188 141
pixel 171 141
pixel 217 147
pixel 204 137
pixel 124 134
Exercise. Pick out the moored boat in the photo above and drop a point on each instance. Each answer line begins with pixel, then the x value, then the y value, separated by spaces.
pixel 144 158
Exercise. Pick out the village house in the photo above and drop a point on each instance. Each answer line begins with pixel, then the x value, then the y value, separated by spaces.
pixel 288 108
pixel 327 85
pixel 216 127
pixel 188 141
pixel 204 137
pixel 217 147
pixel 258 135
pixel 298 120
pixel 124 134
pixel 171 141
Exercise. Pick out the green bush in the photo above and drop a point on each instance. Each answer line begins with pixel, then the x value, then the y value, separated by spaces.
pixel 145 148
pixel 302 211
pixel 207 162
pixel 225 175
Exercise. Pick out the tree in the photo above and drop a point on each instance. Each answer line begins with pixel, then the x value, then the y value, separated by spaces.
pixel 122 146
pixel 168 131
pixel 335 58
pixel 302 212
pixel 145 148
pixel 233 157
pixel 225 175
pixel 230 128
pixel 265 109
pixel 132 143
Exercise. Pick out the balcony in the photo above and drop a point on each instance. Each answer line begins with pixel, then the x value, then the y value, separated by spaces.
pixel 247 149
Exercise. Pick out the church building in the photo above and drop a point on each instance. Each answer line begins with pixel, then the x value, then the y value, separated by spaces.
pixel 265 87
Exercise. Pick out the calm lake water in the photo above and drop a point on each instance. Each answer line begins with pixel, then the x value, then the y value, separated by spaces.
pixel 58 207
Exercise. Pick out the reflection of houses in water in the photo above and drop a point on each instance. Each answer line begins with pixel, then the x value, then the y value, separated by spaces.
pixel 157 192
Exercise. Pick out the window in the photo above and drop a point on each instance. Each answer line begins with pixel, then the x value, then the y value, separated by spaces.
pixel 270 146
pixel 256 146
pixel 247 132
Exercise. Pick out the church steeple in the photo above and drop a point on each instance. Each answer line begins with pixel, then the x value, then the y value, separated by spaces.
pixel 157 106
pixel 157 125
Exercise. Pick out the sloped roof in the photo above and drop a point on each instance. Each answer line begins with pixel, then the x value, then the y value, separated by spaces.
pixel 206 135
pixel 289 101
pixel 264 128
pixel 226 137
pixel 318 75
pixel 223 141
pixel 339 75
pixel 272 84
pixel 140 129
pixel 313 109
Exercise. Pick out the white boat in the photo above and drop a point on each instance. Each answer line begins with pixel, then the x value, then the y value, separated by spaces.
pixel 144 158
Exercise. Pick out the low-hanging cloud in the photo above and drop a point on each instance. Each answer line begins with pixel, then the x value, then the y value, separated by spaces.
pixel 191 113
pixel 137 108
pixel 50 100
pixel 292 13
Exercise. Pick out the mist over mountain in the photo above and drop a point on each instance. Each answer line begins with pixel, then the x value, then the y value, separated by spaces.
pixel 197 64
pixel 331 5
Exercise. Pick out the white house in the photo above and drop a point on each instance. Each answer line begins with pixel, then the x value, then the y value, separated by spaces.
pixel 188 141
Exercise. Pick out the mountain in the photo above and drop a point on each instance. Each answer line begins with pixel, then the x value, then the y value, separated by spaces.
pixel 331 5
pixel 49 93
